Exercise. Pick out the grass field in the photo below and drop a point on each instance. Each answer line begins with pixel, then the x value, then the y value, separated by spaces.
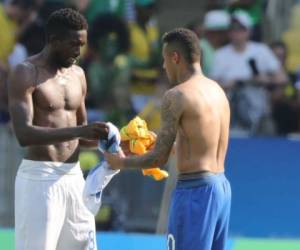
pixel 122 241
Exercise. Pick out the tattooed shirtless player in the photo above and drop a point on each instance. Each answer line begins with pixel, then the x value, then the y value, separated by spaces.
pixel 195 113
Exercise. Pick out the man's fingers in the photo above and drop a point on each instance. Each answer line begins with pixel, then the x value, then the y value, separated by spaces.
pixel 101 133
pixel 101 124
pixel 153 134
pixel 121 153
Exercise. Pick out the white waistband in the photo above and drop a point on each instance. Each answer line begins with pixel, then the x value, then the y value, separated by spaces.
pixel 47 170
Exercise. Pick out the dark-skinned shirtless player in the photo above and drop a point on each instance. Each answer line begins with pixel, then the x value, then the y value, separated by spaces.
pixel 47 106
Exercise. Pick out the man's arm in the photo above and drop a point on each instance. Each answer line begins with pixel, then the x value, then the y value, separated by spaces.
pixel 275 73
pixel 279 77
pixel 172 108
pixel 20 90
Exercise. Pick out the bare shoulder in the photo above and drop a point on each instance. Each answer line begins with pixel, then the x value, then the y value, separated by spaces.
pixel 217 87
pixel 220 93
pixel 173 101
pixel 174 95
pixel 78 70
pixel 23 75
pixel 24 68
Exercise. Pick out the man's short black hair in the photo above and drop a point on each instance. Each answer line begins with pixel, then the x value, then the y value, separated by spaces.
pixel 24 4
pixel 186 41
pixel 64 20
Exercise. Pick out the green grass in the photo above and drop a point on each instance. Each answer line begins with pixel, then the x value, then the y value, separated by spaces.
pixel 262 244
pixel 7 243
pixel 7 240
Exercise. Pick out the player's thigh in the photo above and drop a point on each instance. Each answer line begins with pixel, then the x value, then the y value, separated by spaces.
pixel 83 238
pixel 79 229
pixel 221 231
pixel 191 220
pixel 39 214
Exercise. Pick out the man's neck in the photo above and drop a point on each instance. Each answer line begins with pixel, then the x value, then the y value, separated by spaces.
pixel 240 47
pixel 214 43
pixel 186 73
pixel 49 60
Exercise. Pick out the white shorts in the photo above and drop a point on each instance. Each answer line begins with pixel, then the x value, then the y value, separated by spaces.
pixel 49 209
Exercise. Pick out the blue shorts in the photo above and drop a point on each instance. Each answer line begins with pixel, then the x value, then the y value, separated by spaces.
pixel 199 213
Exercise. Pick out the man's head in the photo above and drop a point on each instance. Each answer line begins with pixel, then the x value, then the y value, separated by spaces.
pixel 66 32
pixel 180 51
pixel 145 9
pixel 280 50
pixel 20 10
pixel 216 24
pixel 240 28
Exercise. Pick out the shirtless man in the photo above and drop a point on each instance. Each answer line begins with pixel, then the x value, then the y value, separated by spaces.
pixel 195 113
pixel 46 100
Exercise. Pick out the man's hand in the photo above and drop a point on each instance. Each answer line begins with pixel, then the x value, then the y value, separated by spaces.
pixel 125 145
pixel 116 160
pixel 94 131
pixel 153 144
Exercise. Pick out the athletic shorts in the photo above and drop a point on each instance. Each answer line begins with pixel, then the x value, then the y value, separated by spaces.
pixel 49 209
pixel 199 213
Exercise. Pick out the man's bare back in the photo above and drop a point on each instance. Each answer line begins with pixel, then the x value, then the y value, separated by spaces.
pixel 202 136
pixel 196 115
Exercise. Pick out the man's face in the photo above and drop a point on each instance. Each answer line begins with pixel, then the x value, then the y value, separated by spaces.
pixel 280 53
pixel 217 38
pixel 67 50
pixel 238 34
pixel 18 14
pixel 169 64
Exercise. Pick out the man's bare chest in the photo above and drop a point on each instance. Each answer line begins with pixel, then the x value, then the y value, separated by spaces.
pixel 59 92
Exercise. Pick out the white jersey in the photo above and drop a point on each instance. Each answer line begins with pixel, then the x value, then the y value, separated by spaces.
pixel 230 65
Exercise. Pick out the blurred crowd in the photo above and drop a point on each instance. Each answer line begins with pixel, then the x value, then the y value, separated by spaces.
pixel 261 80
pixel 123 61
pixel 122 58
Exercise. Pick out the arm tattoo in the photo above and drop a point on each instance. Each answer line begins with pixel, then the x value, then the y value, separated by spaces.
pixel 170 116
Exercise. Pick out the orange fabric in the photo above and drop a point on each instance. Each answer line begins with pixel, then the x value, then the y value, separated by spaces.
pixel 140 141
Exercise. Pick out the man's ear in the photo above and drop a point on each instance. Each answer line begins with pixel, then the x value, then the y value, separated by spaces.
pixel 175 57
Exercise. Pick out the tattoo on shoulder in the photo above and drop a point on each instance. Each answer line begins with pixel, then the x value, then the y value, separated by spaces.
pixel 171 111
pixel 172 106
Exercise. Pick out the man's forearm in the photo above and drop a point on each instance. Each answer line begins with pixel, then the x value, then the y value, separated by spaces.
pixel 149 160
pixel 36 135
